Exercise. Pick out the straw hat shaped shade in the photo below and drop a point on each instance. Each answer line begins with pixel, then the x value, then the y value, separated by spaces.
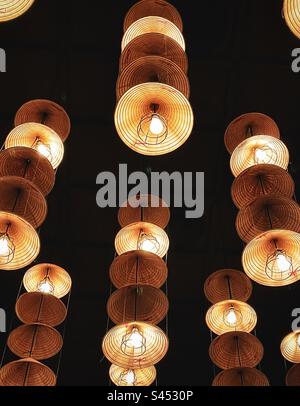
pixel 139 267
pixel 153 69
pixel 11 9
pixel 173 107
pixel 261 180
pixel 219 322
pixel 267 213
pixel 257 252
pixel 227 284
pixel 154 44
pixel 290 347
pixel 241 377
pixel 138 302
pixel 155 346
pixel 29 164
pixel 260 149
pixel 41 308
pixel 24 238
pixel 147 208
pixel 153 24
pixel 27 372
pixel 159 8
pixel 291 10
pixel 21 197
pixel 293 376
pixel 60 279
pixel 142 377
pixel 37 341
pixel 45 112
pixel 142 236
pixel 27 135
pixel 247 125
pixel 236 349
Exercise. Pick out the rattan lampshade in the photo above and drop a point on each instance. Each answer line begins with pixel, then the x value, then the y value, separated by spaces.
pixel 29 164
pixel 141 377
pixel 23 198
pixel 26 135
pixel 227 284
pixel 255 256
pixel 36 341
pixel 155 347
pixel 267 213
pixel 142 267
pixel 290 347
pixel 173 107
pixel 129 238
pixel 153 24
pixel 241 377
pixel 24 238
pixel 60 279
pixel 261 180
pixel 159 8
pixel 45 112
pixel 154 44
pixel 219 322
pixel 244 156
pixel 291 9
pixel 247 125
pixel 234 350
pixel 27 372
pixel 139 302
pixel 150 209
pixel 293 376
pixel 11 9
pixel 41 308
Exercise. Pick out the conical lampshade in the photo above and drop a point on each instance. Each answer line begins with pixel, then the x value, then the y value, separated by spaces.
pixel 11 9
pixel 126 377
pixel 290 347
pixel 293 376
pixel 291 10
pixel 241 377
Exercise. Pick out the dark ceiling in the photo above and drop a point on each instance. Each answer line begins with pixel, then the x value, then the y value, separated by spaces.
pixel 240 61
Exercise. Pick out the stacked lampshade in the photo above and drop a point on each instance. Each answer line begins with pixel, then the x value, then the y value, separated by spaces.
pixel 41 311
pixel 290 350
pixel 291 12
pixel 136 344
pixel 11 9
pixel 32 152
pixel 269 219
pixel 153 115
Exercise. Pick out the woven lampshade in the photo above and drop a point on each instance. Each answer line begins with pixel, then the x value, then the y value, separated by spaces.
pixel 24 238
pixel 26 135
pixel 28 164
pixel 218 320
pixel 261 180
pixel 290 347
pixel 24 199
pixel 37 341
pixel 128 239
pixel 159 8
pixel 27 372
pixel 291 10
pixel 60 279
pixel 45 112
pixel 142 267
pixel 236 349
pixel 155 346
pixel 227 284
pixel 255 256
pixel 241 377
pixel 153 24
pixel 11 9
pixel 142 377
pixel 154 44
pixel 293 376
pixel 250 124
pixel 243 156
pixel 155 212
pixel 139 302
pixel 173 107
pixel 41 308
pixel 267 213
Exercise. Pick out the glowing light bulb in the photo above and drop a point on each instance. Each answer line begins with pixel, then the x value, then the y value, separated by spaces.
pixel 156 125
pixel 147 242
pixel 134 342
pixel 260 156
pixel 136 339
pixel 129 378
pixel 7 249
pixel 43 149
pixel 231 317
pixel 46 286
pixel 298 340
pixel 4 246
pixel 282 262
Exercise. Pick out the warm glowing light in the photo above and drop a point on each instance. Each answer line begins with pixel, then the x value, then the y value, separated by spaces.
pixel 279 266
pixel 128 378
pixel 7 249
pixel 43 149
pixel 282 262
pixel 46 286
pixel 298 340
pixel 147 242
pixel 134 342
pixel 4 247
pixel 260 156
pixel 156 125
pixel 231 317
